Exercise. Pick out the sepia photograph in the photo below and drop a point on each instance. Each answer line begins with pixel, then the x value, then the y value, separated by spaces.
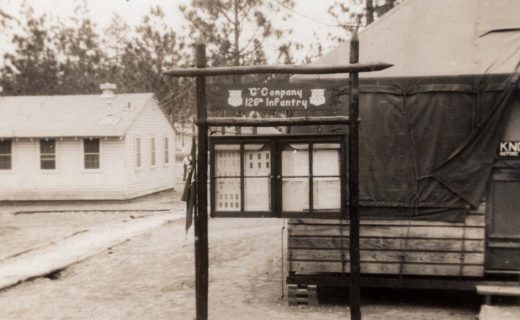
pixel 260 159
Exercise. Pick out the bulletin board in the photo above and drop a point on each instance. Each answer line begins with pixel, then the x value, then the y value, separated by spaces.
pixel 278 176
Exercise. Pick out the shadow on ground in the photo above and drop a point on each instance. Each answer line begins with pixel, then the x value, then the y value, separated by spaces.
pixel 404 297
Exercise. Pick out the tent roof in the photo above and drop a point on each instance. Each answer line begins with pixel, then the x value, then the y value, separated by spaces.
pixel 69 115
pixel 441 37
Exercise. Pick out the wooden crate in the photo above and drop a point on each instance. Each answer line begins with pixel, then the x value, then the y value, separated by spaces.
pixel 302 295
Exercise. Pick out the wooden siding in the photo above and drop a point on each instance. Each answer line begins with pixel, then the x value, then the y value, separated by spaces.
pixel 70 181
pixel 407 247
pixel 148 179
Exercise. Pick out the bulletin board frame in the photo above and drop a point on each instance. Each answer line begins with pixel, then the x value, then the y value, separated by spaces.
pixel 274 144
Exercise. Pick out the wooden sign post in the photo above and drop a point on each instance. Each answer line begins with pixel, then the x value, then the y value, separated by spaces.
pixel 201 216
pixel 353 176
pixel 203 123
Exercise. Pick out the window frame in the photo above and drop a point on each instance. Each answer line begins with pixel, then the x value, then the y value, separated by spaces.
pixel 10 155
pixel 55 154
pixel 92 153
pixel 275 143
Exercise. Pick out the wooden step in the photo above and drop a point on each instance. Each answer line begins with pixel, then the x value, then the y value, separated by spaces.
pixel 489 291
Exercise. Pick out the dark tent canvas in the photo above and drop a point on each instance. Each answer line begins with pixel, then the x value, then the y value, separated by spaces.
pixel 432 125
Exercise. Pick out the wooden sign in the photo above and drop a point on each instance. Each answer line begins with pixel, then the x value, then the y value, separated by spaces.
pixel 275 96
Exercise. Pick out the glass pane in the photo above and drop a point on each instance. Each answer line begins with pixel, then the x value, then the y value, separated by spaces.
pixel 227 194
pixel 48 164
pixel 257 194
pixel 92 161
pixel 91 146
pixel 5 162
pixel 227 160
pixel 325 159
pixel 166 151
pixel 295 160
pixel 257 160
pixel 326 193
pixel 138 160
pixel 48 146
pixel 5 147
pixel 295 194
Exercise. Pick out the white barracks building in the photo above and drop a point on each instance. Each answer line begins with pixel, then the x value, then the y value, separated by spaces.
pixel 72 147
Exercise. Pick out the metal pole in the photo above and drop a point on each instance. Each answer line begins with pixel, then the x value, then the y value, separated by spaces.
pixel 201 218
pixel 353 168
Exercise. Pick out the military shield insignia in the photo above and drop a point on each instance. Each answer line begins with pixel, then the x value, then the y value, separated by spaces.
pixel 317 97
pixel 235 98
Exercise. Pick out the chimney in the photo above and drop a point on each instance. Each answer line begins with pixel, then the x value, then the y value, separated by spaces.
pixel 108 95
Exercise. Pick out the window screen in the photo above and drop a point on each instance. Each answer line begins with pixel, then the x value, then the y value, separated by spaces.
pixel 6 152
pixel 48 154
pixel 152 152
pixel 91 153
pixel 166 151
pixel 138 152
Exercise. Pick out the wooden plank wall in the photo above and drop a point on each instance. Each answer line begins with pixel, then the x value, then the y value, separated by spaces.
pixel 407 247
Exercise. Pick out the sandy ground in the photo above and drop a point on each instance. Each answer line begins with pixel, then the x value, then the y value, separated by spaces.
pixel 25 232
pixel 152 277
pixel 25 226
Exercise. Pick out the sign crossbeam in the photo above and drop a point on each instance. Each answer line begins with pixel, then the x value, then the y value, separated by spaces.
pixel 281 69
pixel 268 122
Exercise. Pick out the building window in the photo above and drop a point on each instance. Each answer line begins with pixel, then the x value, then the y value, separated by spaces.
pixel 48 154
pixel 91 151
pixel 152 152
pixel 166 151
pixel 138 152
pixel 6 153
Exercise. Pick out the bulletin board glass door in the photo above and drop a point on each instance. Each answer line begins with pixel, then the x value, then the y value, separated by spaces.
pixel 278 176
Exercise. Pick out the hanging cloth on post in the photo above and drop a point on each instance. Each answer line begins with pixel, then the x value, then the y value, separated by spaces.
pixel 189 193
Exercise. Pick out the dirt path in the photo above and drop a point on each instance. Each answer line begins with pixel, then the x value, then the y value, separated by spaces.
pixel 152 277
pixel 53 258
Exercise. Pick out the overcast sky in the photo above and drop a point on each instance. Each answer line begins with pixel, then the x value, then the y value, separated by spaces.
pixel 309 16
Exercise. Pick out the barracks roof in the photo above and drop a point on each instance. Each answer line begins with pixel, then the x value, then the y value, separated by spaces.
pixel 70 115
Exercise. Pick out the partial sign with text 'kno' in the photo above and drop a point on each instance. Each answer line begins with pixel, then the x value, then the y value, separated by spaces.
pixel 276 96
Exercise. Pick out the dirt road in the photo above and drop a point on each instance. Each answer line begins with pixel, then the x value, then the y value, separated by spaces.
pixel 152 277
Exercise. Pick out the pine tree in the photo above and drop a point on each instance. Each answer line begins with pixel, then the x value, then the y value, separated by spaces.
pixel 82 56
pixel 33 68
pixel 141 59
pixel 237 32
pixel 346 13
